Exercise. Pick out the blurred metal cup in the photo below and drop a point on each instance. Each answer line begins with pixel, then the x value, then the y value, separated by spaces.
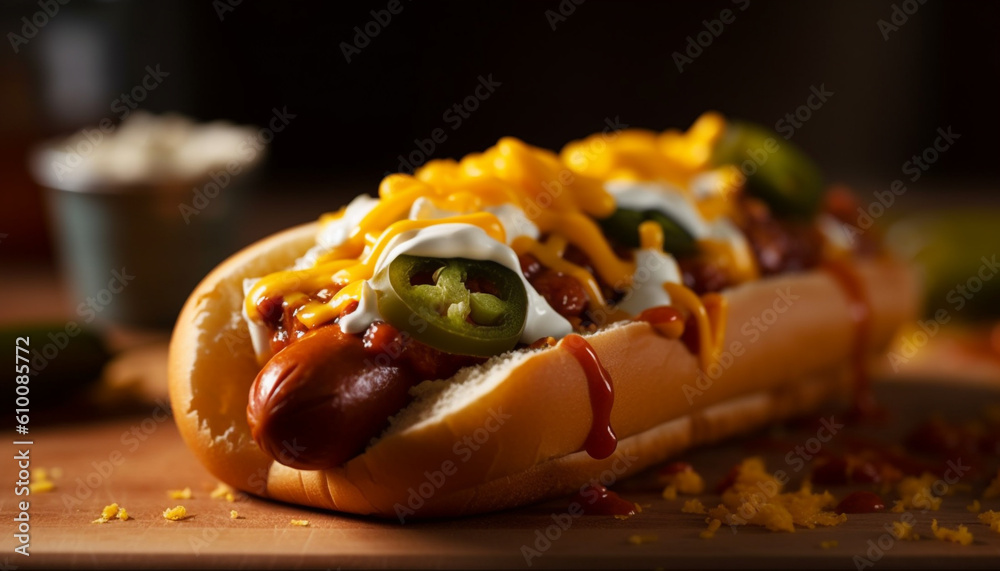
pixel 135 251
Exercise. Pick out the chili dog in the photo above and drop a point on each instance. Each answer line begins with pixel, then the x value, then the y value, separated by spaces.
pixel 508 326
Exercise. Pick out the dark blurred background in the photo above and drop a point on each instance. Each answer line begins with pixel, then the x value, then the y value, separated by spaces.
pixel 892 88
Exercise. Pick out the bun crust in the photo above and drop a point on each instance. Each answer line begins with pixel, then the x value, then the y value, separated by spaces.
pixel 511 432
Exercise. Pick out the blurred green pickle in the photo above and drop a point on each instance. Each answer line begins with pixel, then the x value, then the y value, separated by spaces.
pixel 958 254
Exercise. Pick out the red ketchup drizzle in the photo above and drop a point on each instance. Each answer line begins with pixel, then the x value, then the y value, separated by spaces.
pixel 601 442
pixel 595 499
pixel 861 503
pixel 861 314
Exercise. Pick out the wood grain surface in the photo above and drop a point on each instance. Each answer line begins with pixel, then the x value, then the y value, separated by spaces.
pixel 134 460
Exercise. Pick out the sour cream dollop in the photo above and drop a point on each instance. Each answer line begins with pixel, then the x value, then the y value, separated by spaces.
pixel 449 240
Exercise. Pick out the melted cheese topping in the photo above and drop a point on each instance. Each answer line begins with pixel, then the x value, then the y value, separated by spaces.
pixel 498 204
pixel 718 237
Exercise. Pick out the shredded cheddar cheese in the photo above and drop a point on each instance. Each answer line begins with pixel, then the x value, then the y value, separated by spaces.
pixel 561 195
pixel 974 507
pixel 829 544
pixel 300 522
pixel 710 328
pixel 638 154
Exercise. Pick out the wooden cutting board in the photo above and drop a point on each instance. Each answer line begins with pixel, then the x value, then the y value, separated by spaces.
pixel 134 461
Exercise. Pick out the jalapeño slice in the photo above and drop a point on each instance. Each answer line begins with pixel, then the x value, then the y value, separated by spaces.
pixel 460 306
pixel 623 227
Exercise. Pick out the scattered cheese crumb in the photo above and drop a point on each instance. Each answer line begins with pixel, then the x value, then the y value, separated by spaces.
pixel 109 513
pixel 223 492
pixel 974 507
pixel 640 539
pixel 41 486
pixel 916 493
pixel 756 498
pixel 300 522
pixel 122 514
pixel 687 481
pixel 829 544
pixel 184 494
pixel 993 491
pixel 175 514
pixel 960 535
pixel 709 532
pixel 670 492
pixel 233 514
pixel 903 530
pixel 40 482
pixel 693 507
pixel 992 519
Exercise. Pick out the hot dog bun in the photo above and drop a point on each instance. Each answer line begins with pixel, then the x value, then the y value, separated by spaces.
pixel 510 432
